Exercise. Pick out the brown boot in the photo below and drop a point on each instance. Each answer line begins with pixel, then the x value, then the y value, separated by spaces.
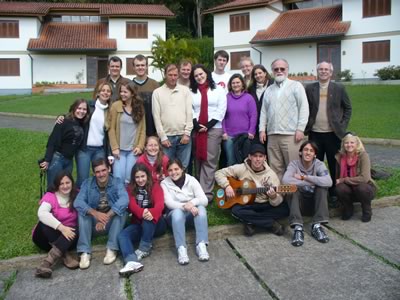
pixel 70 261
pixel 366 210
pixel 45 268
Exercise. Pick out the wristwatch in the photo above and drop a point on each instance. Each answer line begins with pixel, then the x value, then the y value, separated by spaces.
pixel 302 176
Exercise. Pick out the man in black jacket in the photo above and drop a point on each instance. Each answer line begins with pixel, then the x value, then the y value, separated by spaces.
pixel 330 112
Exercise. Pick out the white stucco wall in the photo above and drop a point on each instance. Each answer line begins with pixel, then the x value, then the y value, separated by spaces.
pixel 260 18
pixel 28 28
pixel 117 30
pixel 53 68
pixel 353 56
pixel 352 11
pixel 23 81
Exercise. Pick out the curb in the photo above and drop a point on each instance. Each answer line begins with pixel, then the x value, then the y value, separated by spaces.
pixel 31 116
pixel 167 240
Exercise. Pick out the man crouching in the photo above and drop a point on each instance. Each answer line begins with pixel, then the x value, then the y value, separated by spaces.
pixel 267 207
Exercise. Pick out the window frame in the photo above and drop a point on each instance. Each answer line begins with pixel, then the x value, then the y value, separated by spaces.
pixel 370 55
pixel 11 71
pixel 371 8
pixel 133 32
pixel 6 34
pixel 237 55
pixel 239 22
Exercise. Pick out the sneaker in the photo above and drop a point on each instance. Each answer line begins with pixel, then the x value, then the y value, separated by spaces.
pixel 278 229
pixel 130 268
pixel 201 251
pixel 85 261
pixel 298 238
pixel 111 256
pixel 183 258
pixel 319 234
pixel 141 254
pixel 249 229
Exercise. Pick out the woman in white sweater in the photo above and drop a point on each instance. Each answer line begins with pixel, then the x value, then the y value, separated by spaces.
pixel 186 202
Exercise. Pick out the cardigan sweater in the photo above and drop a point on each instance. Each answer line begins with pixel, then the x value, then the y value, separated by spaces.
pixel 363 169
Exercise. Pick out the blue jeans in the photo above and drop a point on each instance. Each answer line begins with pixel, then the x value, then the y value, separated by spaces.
pixel 57 164
pixel 139 232
pixel 178 150
pixel 87 225
pixel 123 166
pixel 229 151
pixel 177 218
pixel 83 160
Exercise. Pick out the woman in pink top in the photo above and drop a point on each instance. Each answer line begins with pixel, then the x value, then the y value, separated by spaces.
pixel 56 230
pixel 154 159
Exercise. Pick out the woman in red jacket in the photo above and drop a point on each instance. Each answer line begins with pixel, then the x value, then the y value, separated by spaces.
pixel 146 203
pixel 154 159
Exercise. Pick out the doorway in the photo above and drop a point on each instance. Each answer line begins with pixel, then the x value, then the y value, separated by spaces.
pixel 330 52
pixel 96 69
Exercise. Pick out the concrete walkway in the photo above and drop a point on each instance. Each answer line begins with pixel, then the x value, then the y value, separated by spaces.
pixel 361 261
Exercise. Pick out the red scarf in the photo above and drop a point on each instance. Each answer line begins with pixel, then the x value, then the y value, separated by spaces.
pixel 201 137
pixel 347 162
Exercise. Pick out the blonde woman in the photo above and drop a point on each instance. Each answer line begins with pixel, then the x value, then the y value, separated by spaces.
pixel 353 173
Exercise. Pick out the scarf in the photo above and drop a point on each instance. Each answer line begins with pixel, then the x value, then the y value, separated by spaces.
pixel 142 198
pixel 348 166
pixel 201 137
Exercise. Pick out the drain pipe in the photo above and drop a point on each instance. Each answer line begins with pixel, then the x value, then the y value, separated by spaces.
pixel 254 48
pixel 31 69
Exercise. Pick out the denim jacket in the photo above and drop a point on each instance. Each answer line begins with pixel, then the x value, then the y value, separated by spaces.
pixel 89 196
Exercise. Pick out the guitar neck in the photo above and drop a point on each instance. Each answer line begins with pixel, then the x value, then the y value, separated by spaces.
pixel 258 190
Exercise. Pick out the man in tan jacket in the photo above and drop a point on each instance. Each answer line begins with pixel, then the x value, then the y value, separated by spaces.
pixel 267 207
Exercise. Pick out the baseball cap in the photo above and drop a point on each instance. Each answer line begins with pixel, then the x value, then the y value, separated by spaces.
pixel 257 148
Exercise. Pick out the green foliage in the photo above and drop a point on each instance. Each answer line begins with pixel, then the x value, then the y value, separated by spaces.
pixel 345 75
pixel 388 73
pixel 206 47
pixel 173 50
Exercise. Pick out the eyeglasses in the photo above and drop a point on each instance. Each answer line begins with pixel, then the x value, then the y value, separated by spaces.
pixel 279 69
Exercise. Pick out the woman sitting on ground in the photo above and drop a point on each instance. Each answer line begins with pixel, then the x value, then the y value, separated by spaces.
pixel 56 230
pixel 354 182
pixel 186 201
pixel 146 203
pixel 64 141
pixel 154 159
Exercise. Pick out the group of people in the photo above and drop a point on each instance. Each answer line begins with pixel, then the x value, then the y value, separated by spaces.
pixel 156 137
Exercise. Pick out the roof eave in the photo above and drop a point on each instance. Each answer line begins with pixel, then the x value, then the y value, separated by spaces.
pixel 298 39
pixel 70 50
pixel 239 7
pixel 138 16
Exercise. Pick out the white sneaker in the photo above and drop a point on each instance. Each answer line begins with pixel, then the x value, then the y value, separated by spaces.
pixel 85 261
pixel 141 254
pixel 130 268
pixel 111 256
pixel 201 251
pixel 183 258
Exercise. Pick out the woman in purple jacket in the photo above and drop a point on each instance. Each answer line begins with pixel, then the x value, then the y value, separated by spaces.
pixel 240 117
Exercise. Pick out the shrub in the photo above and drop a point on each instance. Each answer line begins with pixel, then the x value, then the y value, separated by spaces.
pixel 206 47
pixel 388 73
pixel 345 75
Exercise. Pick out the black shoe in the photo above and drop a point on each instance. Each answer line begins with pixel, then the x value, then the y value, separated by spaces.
pixel 366 218
pixel 346 215
pixel 249 229
pixel 333 202
pixel 278 229
pixel 319 234
pixel 298 238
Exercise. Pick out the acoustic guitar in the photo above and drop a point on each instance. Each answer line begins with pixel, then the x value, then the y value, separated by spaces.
pixel 245 192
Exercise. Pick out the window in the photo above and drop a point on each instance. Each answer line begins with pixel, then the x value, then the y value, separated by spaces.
pixel 239 22
pixel 9 66
pixel 9 29
pixel 376 51
pixel 136 30
pixel 235 59
pixel 129 66
pixel 375 8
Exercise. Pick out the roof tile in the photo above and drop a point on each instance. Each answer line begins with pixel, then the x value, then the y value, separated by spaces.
pixel 238 4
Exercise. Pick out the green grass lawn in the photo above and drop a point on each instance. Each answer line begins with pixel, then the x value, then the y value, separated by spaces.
pixel 375 108
pixel 20 192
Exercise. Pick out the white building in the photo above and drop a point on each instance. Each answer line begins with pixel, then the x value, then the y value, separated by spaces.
pixel 72 42
pixel 359 35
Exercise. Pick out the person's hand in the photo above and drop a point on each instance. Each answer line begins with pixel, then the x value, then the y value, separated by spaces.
pixel 185 139
pixel 44 165
pixel 110 159
pixel 298 136
pixel 100 226
pixel 67 232
pixel 203 128
pixel 229 192
pixel 147 215
pixel 263 137
pixel 271 193
pixel 188 206
pixel 101 217
pixel 339 180
pixel 137 151
pixel 60 120
pixel 116 153
pixel 250 136
pixel 225 137
pixel 194 210
pixel 166 143
pixel 298 176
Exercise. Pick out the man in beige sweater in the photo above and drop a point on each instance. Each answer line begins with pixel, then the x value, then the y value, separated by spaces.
pixel 172 113
pixel 267 207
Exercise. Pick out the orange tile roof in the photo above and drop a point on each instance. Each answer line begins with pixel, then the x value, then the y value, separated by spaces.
pixel 238 4
pixel 44 8
pixel 304 24
pixel 73 37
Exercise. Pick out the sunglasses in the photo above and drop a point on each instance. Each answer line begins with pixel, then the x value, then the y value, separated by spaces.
pixel 279 69
pixel 350 133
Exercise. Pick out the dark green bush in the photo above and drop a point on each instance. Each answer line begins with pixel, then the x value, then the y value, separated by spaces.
pixel 345 75
pixel 206 47
pixel 388 73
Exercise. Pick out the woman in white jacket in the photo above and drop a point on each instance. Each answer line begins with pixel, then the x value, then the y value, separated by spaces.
pixel 186 202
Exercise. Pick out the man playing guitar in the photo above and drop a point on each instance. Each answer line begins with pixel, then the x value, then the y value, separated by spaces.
pixel 267 207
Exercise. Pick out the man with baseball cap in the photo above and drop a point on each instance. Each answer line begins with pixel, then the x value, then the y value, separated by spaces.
pixel 268 207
